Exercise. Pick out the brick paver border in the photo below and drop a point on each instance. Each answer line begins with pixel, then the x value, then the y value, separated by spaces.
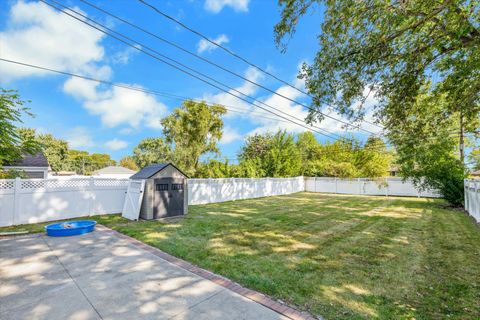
pixel 258 297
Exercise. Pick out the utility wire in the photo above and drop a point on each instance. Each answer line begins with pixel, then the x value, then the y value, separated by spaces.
pixel 242 59
pixel 138 46
pixel 214 63
pixel 156 93
pixel 159 93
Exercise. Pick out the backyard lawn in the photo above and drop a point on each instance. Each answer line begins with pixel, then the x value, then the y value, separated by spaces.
pixel 342 257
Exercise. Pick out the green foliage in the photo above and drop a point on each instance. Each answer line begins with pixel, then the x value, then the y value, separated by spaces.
pixel 55 150
pixel 215 169
pixel 193 130
pixel 12 143
pixel 426 147
pixel 129 163
pixel 271 155
pixel 475 159
pixel 12 174
pixel 343 159
pixel 392 49
pixel 84 163
pixel 152 150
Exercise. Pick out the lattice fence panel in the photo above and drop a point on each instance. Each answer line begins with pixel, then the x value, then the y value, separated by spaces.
pixel 110 183
pixel 7 184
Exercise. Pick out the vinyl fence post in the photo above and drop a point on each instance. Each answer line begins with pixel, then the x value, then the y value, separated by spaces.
pixel 91 195
pixel 16 200
pixel 359 186
pixel 386 188
pixel 336 191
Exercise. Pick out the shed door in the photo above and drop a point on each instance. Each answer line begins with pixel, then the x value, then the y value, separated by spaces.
pixel 168 197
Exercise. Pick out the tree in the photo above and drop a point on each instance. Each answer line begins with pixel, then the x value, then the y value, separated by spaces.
pixel 399 52
pixel 12 144
pixel 427 149
pixel 84 163
pixel 475 158
pixel 271 155
pixel 373 160
pixel 152 150
pixel 215 169
pixel 193 130
pixel 392 50
pixel 55 150
pixel 309 149
pixel 129 162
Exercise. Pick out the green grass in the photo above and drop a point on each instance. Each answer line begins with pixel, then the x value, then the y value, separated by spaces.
pixel 342 257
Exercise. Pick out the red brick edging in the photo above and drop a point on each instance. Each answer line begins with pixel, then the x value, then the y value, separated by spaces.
pixel 224 282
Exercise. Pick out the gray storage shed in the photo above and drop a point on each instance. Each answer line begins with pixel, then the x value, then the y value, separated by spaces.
pixel 165 192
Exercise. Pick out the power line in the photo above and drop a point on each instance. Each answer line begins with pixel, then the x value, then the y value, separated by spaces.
pixel 157 93
pixel 139 48
pixel 240 58
pixel 214 63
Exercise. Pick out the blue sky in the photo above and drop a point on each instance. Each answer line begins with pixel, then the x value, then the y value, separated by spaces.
pixel 99 118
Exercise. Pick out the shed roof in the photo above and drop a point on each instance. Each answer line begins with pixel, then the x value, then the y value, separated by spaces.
pixel 28 160
pixel 152 169
pixel 114 170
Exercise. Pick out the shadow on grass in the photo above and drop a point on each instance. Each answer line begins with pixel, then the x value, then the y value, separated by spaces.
pixel 343 257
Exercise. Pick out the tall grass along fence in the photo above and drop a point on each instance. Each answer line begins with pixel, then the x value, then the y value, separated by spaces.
pixel 364 186
pixel 31 200
pixel 472 198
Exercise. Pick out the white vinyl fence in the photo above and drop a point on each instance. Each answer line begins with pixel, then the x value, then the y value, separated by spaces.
pixel 472 198
pixel 37 200
pixel 201 191
pixel 31 200
pixel 364 186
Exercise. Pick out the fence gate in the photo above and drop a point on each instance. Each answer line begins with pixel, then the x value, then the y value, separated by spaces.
pixel 133 199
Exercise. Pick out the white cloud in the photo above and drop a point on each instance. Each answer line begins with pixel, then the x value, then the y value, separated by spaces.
pixel 229 135
pixel 229 100
pixel 123 57
pixel 118 106
pixel 116 144
pixel 215 6
pixel 255 115
pixel 38 35
pixel 203 45
pixel 79 138
pixel 126 131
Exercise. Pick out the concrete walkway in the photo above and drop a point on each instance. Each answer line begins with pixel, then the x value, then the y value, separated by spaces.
pixel 103 276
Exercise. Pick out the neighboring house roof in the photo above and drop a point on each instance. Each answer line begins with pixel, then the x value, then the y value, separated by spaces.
pixel 114 170
pixel 153 169
pixel 38 160
pixel 475 173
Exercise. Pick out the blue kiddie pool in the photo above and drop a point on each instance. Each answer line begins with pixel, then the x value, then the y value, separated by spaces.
pixel 70 228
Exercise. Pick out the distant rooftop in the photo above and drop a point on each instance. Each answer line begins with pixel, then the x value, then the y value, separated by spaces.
pixel 38 160
pixel 114 170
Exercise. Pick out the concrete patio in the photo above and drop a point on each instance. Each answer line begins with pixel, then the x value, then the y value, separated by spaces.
pixel 103 276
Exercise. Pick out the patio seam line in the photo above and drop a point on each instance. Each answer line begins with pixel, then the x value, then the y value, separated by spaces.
pixel 250 294
pixel 75 282
pixel 196 304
